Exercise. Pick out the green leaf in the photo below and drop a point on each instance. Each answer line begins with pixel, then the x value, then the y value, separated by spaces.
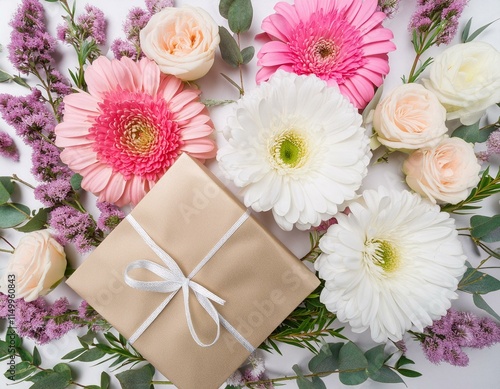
pixel 376 358
pixel 76 181
pixel 247 54
pixel 224 6
pixel 403 361
pixel 105 380
pixel 478 282
pixel 53 380
pixel 387 376
pixel 8 184
pixel 136 378
pixel 22 370
pixel 4 193
pixel 19 81
pixel 92 387
pixel 24 354
pixel 91 355
pixel 352 358
pixel 485 228
pixel 64 370
pixel 409 373
pixel 465 32
pixel 74 353
pixel 229 49
pixel 472 133
pixel 40 375
pixel 304 383
pixel 479 31
pixel 4 349
pixel 327 359
pixel 13 214
pixel 37 359
pixel 4 76
pixel 240 16
pixel 38 222
pixel 480 303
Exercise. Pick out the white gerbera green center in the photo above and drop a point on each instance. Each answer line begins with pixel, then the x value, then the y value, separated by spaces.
pixel 289 150
pixel 384 254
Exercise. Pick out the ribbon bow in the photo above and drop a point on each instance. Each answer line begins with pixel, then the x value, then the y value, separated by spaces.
pixel 173 280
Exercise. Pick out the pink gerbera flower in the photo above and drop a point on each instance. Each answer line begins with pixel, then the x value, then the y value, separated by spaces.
pixel 130 128
pixel 340 41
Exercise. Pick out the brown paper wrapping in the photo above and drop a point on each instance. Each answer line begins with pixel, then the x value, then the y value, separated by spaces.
pixel 186 213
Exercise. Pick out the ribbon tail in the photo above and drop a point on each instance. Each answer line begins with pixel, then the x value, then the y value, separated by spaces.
pixel 233 331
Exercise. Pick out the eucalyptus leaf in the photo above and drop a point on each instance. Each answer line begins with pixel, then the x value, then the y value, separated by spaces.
pixel 472 133
pixel 229 49
pixel 20 81
pixel 240 16
pixel 37 359
pixel 53 380
pixel 40 375
pixel 353 365
pixel 480 303
pixel 6 189
pixel 22 370
pixel 92 387
pixel 465 32
pixel 24 354
pixel 327 359
pixel 403 361
pixel 8 184
pixel 247 54
pixel 485 228
pixel 136 378
pixel 64 369
pixel 74 353
pixel 105 380
pixel 13 214
pixel 76 181
pixel 304 383
pixel 387 376
pixel 4 76
pixel 224 6
pixel 38 222
pixel 376 358
pixel 478 282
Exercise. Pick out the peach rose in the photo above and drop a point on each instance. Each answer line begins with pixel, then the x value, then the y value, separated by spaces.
pixel 443 173
pixel 182 41
pixel 409 118
pixel 466 79
pixel 38 263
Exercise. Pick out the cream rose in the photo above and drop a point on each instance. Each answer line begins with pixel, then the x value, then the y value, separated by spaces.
pixel 38 263
pixel 443 173
pixel 466 79
pixel 182 41
pixel 409 118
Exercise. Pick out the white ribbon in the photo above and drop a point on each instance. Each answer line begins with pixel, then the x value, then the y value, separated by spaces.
pixel 173 280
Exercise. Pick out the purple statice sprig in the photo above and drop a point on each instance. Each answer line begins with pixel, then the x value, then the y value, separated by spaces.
pixel 389 7
pixel 8 148
pixel 445 339
pixel 136 20
pixel 44 322
pixel 85 33
pixel 32 49
pixel 434 22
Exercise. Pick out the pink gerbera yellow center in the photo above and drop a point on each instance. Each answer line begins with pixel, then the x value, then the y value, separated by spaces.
pixel 135 134
pixel 327 46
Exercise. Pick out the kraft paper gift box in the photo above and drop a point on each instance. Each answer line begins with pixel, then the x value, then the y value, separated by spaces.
pixel 186 214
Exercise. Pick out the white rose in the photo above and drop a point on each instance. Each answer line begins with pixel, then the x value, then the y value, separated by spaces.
pixel 466 79
pixel 182 41
pixel 38 263
pixel 444 173
pixel 409 118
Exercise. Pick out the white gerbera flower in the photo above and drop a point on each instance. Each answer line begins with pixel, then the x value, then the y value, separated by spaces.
pixel 297 148
pixel 391 264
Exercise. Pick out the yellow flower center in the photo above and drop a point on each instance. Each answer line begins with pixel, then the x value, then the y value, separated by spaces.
pixel 289 150
pixel 383 254
pixel 138 136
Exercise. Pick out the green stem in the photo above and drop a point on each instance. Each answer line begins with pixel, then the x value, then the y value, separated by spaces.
pixel 242 88
pixel 7 251
pixel 6 241
pixel 14 177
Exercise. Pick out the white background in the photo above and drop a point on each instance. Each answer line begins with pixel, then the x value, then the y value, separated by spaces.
pixel 483 371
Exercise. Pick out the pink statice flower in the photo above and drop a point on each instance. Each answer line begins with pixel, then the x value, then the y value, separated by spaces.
pixel 439 15
pixel 110 216
pixel 340 41
pixel 8 148
pixel 155 6
pixel 444 340
pixel 389 7
pixel 130 128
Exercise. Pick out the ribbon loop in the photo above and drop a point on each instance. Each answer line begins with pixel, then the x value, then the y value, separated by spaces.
pixel 173 280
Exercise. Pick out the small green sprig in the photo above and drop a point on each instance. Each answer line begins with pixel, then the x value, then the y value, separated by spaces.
pixel 486 187
pixel 239 14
